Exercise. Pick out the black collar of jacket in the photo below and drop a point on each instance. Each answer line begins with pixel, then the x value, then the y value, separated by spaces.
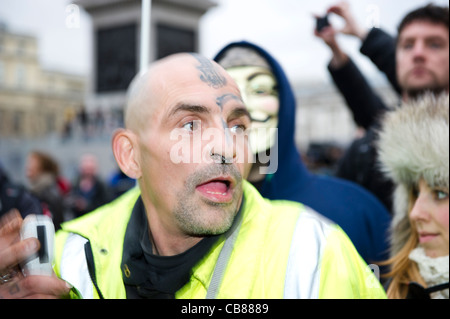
pixel 148 276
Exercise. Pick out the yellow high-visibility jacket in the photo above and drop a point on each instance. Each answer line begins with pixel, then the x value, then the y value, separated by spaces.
pixel 280 249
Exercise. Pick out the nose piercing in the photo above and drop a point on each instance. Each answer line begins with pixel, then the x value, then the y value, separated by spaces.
pixel 220 159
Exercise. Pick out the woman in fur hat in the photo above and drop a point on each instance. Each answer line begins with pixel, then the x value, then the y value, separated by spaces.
pixel 414 153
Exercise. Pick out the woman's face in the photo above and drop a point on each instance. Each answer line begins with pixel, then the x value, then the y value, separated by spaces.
pixel 33 167
pixel 429 216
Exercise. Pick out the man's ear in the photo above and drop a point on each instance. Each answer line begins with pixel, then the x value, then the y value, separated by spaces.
pixel 125 151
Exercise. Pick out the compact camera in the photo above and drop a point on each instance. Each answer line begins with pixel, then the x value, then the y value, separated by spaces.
pixel 322 22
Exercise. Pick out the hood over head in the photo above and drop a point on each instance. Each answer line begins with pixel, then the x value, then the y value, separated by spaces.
pixel 281 184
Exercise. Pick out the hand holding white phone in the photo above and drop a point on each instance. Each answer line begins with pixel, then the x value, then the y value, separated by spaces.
pixel 42 228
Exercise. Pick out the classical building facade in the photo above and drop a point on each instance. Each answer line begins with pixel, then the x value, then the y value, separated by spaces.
pixel 33 101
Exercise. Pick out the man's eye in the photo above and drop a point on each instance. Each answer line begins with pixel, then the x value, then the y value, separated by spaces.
pixel 407 46
pixel 239 128
pixel 436 45
pixel 191 126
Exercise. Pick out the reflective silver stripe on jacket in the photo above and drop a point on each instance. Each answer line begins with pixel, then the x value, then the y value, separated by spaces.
pixel 307 247
pixel 74 267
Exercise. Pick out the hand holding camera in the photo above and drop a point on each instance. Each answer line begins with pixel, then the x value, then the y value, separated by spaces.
pixel 351 27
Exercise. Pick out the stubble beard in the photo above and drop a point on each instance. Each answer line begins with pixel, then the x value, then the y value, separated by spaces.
pixel 199 217
pixel 435 87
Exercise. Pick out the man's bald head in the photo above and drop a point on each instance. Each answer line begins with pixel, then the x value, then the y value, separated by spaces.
pixel 172 104
pixel 149 88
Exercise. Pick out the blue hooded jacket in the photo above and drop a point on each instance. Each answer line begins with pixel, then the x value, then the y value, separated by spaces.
pixel 359 213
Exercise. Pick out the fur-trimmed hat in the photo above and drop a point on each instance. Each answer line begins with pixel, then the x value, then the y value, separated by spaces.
pixel 414 144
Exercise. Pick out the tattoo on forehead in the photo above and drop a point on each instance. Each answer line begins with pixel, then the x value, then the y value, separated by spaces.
pixel 222 100
pixel 210 74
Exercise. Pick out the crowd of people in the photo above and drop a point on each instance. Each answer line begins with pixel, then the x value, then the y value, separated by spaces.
pixel 50 193
pixel 88 126
pixel 265 226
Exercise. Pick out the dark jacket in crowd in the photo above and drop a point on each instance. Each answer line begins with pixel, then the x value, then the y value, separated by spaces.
pixel 83 201
pixel 359 163
pixel 14 196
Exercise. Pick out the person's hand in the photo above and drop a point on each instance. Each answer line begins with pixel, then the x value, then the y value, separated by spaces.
pixel 13 251
pixel 351 27
pixel 328 35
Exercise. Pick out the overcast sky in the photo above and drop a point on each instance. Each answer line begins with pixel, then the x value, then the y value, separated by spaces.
pixel 283 27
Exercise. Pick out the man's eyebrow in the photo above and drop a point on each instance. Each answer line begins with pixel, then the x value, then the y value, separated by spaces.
pixel 434 38
pixel 431 37
pixel 240 112
pixel 221 101
pixel 191 108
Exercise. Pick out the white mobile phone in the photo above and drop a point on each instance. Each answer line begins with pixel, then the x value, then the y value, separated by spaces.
pixel 40 227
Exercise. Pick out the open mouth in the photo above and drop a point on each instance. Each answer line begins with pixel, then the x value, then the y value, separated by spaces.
pixel 217 190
